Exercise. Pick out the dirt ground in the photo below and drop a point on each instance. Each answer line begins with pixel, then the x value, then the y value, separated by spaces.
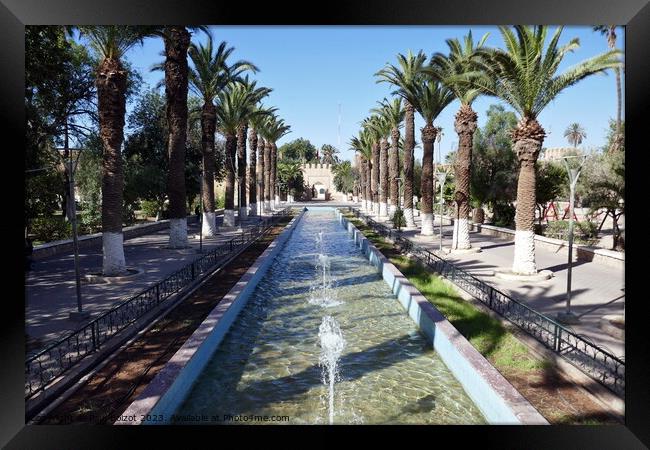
pixel 110 391
pixel 559 400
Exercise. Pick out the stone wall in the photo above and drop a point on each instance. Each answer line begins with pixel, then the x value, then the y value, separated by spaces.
pixel 321 173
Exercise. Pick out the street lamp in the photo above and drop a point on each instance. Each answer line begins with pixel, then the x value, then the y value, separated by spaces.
pixel 574 174
pixel 71 168
pixel 441 176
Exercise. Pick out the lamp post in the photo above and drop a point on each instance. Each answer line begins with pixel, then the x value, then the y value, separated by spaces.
pixel 441 176
pixel 574 174
pixel 71 167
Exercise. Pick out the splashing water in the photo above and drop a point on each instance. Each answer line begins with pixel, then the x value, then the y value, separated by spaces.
pixel 324 294
pixel 332 345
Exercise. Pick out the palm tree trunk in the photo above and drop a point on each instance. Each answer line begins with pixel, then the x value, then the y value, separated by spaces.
pixel 362 182
pixel 375 177
pixel 111 98
pixel 267 176
pixel 368 165
pixel 177 41
pixel 274 176
pixel 241 170
pixel 426 185
pixel 409 146
pixel 260 175
pixel 528 138
pixel 465 126
pixel 383 178
pixel 229 207
pixel 252 181
pixel 393 172
pixel 208 126
pixel 620 139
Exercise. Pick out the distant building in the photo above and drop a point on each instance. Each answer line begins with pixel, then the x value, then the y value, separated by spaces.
pixel 557 153
pixel 320 179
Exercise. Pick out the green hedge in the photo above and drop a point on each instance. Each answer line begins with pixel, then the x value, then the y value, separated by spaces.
pixel 46 229
pixel 584 232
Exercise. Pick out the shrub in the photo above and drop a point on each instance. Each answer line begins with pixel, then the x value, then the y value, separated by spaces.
pixel 91 217
pixel 398 219
pixel 220 201
pixel 149 208
pixel 503 215
pixel 583 232
pixel 50 228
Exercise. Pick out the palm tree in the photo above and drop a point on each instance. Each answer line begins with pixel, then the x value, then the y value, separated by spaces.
pixel 372 126
pixel 256 170
pixel 252 110
pixel 575 134
pixel 329 154
pixel 463 57
pixel 405 77
pixel 609 31
pixel 393 114
pixel 210 74
pixel 273 130
pixel 290 179
pixel 524 76
pixel 363 146
pixel 383 128
pixel 177 43
pixel 111 43
pixel 432 98
pixel 235 105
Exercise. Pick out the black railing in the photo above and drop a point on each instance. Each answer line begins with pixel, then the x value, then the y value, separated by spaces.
pixel 580 351
pixel 59 357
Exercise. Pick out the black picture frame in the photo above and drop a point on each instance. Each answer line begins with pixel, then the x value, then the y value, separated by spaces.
pixel 634 14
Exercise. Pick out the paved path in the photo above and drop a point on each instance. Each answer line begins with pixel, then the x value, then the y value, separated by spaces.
pixel 597 289
pixel 50 293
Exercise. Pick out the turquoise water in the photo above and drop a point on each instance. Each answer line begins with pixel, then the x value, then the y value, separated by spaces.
pixel 268 363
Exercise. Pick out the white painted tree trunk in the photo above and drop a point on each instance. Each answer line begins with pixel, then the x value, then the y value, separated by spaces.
pixel 408 218
pixel 524 262
pixel 228 218
pixel 243 214
pixel 355 199
pixel 461 235
pixel 113 262
pixel 272 204
pixel 383 209
pixel 209 227
pixel 253 209
pixel 427 224
pixel 277 201
pixel 267 206
pixel 178 233
pixel 391 210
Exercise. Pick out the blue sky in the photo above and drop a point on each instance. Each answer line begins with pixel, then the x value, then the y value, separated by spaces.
pixel 313 69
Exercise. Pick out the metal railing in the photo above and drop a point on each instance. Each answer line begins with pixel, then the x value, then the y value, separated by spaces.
pixel 59 357
pixel 595 361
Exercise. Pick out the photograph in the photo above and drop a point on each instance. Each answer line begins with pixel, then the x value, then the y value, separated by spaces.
pixel 314 225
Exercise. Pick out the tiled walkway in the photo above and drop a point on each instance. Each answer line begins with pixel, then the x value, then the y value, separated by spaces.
pixel 50 293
